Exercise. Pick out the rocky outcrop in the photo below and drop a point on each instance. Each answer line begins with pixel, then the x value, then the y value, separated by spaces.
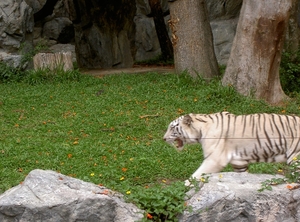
pixel 146 41
pixel 21 32
pixel 53 29
pixel 52 22
pixel 235 197
pixel 124 35
pixel 223 34
pixel 223 16
pixel 104 32
pixel 16 26
pixel 50 196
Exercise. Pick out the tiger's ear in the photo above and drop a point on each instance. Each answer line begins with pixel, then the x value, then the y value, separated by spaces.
pixel 187 120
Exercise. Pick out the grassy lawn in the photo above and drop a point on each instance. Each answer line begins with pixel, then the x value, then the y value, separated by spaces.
pixel 109 130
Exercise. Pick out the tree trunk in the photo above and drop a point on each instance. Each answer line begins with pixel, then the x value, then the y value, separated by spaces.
pixel 253 66
pixel 161 30
pixel 192 39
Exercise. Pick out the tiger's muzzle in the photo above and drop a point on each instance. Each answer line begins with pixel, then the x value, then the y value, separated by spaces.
pixel 177 143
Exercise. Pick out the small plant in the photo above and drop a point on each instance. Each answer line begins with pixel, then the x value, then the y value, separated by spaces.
pixel 222 69
pixel 160 202
pixel 9 74
pixel 39 76
pixel 267 185
pixel 292 175
pixel 28 53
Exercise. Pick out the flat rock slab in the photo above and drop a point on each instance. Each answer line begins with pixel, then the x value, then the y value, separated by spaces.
pixel 50 196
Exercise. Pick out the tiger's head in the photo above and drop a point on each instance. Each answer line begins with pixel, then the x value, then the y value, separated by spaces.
pixel 183 130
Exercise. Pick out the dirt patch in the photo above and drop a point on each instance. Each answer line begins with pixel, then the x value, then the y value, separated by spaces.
pixel 134 70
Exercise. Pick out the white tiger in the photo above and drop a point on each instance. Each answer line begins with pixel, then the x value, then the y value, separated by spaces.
pixel 237 139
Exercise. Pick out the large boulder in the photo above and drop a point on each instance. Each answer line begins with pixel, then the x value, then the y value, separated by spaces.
pixel 16 27
pixel 223 34
pixel 16 23
pixel 50 196
pixel 52 22
pixel 235 197
pixel 146 40
pixel 54 28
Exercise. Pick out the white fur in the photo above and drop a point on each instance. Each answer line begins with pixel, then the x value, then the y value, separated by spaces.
pixel 238 140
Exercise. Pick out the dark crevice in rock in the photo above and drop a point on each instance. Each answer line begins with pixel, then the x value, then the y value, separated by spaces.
pixel 45 11
pixel 76 6
pixel 66 35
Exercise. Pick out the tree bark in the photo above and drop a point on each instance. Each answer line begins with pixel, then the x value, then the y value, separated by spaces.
pixel 161 30
pixel 192 39
pixel 253 66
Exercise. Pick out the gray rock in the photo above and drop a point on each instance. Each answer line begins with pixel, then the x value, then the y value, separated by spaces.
pixel 36 5
pixel 64 48
pixel 223 9
pixel 16 25
pixel 223 34
pixel 104 33
pixel 223 17
pixel 146 40
pixel 234 197
pixel 60 9
pixel 17 28
pixel 50 196
pixel 12 60
pixel 53 28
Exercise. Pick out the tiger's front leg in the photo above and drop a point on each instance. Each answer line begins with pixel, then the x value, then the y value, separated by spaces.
pixel 209 165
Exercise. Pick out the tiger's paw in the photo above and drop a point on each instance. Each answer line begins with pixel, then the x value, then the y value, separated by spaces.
pixel 187 183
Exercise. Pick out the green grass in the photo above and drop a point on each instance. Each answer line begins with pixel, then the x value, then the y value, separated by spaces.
pixel 109 131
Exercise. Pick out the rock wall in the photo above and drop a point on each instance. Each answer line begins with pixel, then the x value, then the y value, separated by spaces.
pixel 56 24
pixel 35 23
pixel 16 27
pixel 104 32
pixel 53 29
pixel 146 41
pixel 223 17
